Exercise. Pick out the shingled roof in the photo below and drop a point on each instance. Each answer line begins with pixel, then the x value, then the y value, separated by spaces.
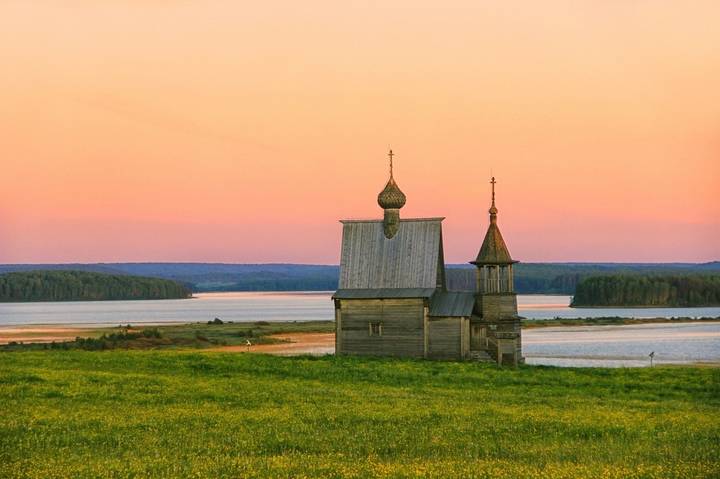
pixel 412 259
pixel 452 303
pixel 493 249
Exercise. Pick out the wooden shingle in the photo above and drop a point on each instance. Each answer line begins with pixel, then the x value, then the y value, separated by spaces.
pixel 410 259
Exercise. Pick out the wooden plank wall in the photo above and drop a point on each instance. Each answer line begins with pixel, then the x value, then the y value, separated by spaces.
pixel 445 336
pixel 465 337
pixel 402 327
pixel 496 306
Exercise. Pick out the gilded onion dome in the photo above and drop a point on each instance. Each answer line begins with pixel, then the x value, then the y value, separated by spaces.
pixel 391 197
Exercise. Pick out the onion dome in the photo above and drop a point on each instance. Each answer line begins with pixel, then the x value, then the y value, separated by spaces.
pixel 391 197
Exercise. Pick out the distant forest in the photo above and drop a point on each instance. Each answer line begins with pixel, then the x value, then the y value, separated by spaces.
pixel 530 278
pixel 563 278
pixel 85 286
pixel 634 290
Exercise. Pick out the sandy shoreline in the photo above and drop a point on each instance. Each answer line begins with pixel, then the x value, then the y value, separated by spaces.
pixel 292 343
pixel 43 334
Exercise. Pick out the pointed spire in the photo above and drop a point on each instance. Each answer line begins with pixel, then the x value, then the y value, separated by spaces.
pixel 493 249
pixel 493 210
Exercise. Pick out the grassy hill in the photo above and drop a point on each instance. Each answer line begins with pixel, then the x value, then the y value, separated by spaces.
pixel 199 414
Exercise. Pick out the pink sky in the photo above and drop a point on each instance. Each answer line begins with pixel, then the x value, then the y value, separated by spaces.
pixel 242 131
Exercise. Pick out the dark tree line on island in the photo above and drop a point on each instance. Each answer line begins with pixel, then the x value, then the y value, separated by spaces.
pixel 563 278
pixel 85 286
pixel 640 290
pixel 530 278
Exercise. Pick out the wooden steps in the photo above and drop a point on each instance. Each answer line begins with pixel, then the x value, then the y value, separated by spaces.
pixel 481 356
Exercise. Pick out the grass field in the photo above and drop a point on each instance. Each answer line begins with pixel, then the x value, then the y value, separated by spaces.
pixel 170 413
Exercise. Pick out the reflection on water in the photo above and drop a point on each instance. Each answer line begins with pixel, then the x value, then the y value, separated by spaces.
pixel 275 306
pixel 623 345
pixel 547 307
pixel 241 306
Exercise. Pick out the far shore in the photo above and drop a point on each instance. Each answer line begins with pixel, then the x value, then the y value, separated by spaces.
pixel 48 333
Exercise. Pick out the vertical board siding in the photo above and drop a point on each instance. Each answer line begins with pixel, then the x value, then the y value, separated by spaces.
pixel 410 259
pixel 402 327
pixel 445 338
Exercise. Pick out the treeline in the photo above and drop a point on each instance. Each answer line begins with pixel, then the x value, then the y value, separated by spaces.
pixel 270 284
pixel 634 290
pixel 85 286
pixel 563 278
pixel 530 278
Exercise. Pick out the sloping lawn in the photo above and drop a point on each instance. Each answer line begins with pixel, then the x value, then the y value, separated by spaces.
pixel 208 414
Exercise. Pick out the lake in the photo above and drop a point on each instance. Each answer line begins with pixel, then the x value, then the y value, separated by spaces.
pixel 622 345
pixel 274 306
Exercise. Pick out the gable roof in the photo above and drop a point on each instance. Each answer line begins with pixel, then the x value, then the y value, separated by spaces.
pixel 493 249
pixel 410 259
pixel 452 303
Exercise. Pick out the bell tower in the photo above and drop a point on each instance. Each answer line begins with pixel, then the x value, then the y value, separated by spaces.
pixel 496 324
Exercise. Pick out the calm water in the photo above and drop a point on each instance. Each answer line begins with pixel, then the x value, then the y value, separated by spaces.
pixel 302 306
pixel 627 345
pixel 547 307
pixel 292 306
pixel 623 345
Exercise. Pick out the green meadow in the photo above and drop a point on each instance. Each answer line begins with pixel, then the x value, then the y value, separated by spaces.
pixel 175 413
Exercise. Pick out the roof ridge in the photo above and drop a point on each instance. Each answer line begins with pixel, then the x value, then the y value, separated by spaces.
pixel 402 220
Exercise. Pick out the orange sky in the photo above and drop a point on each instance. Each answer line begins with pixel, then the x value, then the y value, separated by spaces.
pixel 160 130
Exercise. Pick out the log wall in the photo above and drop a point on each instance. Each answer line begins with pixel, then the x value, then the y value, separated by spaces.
pixel 446 337
pixel 401 322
